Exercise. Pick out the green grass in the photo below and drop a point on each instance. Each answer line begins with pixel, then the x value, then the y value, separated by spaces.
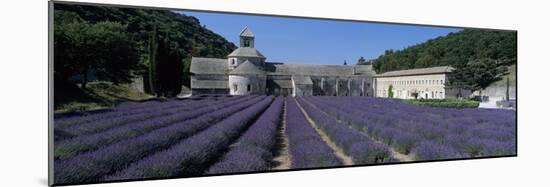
pixel 110 92
pixel 96 95
pixel 444 103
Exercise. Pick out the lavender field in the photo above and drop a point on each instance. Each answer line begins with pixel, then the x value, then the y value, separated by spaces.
pixel 233 134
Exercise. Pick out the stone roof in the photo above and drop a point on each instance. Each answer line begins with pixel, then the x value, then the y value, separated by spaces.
pixel 246 32
pixel 419 71
pixel 299 79
pixel 283 83
pixel 309 69
pixel 209 84
pixel 364 69
pixel 219 66
pixel 247 68
pixel 246 52
pixel 208 65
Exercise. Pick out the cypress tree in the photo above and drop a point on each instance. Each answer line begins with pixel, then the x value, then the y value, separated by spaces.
pixel 153 47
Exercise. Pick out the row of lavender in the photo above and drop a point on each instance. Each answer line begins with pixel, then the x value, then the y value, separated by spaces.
pixel 142 142
pixel 306 147
pixel 427 133
pixel 129 108
pixel 69 127
pixel 359 147
pixel 126 126
pixel 254 149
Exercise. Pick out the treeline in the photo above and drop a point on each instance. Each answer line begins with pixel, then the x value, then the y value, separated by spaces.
pixel 480 57
pixel 119 44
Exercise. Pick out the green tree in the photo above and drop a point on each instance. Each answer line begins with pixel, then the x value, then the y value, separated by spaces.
pixel 66 28
pixel 115 52
pixel 169 69
pixel 455 49
pixel 103 50
pixel 152 61
pixel 482 72
pixel 361 61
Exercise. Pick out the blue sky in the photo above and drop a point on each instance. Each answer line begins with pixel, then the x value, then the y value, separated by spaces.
pixel 313 41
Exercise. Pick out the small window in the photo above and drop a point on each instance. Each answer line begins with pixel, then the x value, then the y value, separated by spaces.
pixel 234 87
pixel 247 43
pixel 233 61
pixel 248 87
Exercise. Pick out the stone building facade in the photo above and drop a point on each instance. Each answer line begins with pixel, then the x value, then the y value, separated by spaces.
pixel 245 72
pixel 423 83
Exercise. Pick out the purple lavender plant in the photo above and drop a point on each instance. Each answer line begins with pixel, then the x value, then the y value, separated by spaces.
pixel 427 150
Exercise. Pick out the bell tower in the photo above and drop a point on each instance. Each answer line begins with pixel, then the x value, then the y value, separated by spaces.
pixel 247 38
pixel 245 52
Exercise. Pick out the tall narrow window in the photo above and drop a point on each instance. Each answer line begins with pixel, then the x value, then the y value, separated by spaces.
pixel 248 87
pixel 235 87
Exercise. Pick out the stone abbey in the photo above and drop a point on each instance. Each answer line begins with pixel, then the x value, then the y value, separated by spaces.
pixel 246 72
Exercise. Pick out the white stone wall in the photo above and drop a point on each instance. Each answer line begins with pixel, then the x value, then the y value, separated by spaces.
pixel 137 83
pixel 240 84
pixel 302 90
pixel 233 62
pixel 404 87
pixel 497 93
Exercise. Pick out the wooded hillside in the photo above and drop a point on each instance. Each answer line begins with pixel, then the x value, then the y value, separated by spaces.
pixel 480 56
pixel 117 44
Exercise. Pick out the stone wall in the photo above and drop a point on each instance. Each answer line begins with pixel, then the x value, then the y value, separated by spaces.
pixel 137 83
pixel 457 93
pixel 247 84
pixel 209 77
pixel 199 91
pixel 303 90
pixel 497 93
pixel 233 62
pixel 342 86
pixel 279 85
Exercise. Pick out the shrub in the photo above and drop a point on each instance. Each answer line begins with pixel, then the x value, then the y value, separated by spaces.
pixel 445 103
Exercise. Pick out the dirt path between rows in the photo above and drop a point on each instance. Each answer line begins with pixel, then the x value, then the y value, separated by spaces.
pixel 399 156
pixel 347 160
pixel 282 159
